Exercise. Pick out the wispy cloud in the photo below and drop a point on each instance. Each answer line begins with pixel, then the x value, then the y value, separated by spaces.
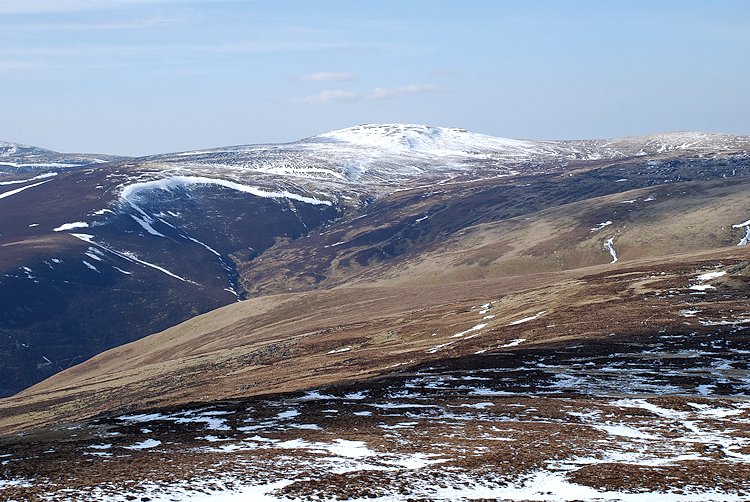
pixel 98 25
pixel 378 93
pixel 326 77
pixel 330 96
pixel 52 6
pixel 9 66
pixel 396 92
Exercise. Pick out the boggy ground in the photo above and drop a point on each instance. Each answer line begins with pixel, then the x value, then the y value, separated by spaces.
pixel 524 394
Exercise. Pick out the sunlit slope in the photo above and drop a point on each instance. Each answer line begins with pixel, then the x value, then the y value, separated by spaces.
pixel 531 279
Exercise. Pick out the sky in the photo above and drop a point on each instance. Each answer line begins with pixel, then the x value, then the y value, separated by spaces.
pixel 138 77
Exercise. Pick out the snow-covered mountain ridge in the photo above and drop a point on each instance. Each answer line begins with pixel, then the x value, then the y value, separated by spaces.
pixel 447 141
pixel 378 158
pixel 15 157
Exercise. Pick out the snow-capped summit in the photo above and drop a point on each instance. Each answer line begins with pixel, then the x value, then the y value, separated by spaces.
pixel 432 140
pixel 422 138
pixel 376 158
pixel 10 149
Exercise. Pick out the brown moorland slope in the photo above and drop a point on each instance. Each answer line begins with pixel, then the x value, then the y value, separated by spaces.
pixel 601 384
pixel 423 309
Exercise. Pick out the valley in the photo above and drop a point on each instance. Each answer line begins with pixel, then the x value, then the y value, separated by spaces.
pixel 383 312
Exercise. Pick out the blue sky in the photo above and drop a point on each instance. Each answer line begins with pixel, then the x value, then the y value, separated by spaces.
pixel 139 77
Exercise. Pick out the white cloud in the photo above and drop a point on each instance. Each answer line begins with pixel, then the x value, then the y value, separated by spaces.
pixel 327 77
pixel 376 94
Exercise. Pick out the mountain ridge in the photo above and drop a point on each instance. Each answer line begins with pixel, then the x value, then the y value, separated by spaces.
pixel 182 234
pixel 409 298
pixel 17 157
pixel 417 138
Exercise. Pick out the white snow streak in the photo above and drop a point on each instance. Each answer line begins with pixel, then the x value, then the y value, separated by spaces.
pixel 146 226
pixel 71 226
pixel 18 190
pixel 41 176
pixel 129 257
pixel 746 238
pixel 473 328
pixel 204 245
pixel 526 319
pixel 89 265
pixel 513 343
pixel 609 245
pixel 131 191
pixel 132 257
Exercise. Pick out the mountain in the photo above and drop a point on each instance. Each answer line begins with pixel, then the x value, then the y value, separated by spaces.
pixel 427 313
pixel 102 254
pixel 16 158
pixel 375 157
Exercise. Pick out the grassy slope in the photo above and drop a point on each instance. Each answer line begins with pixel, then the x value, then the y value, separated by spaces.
pixel 393 314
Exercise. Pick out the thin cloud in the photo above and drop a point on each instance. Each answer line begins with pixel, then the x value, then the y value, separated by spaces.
pixel 159 22
pixel 379 93
pixel 326 77
pixel 396 92
pixel 331 96
pixel 8 66
pixel 51 6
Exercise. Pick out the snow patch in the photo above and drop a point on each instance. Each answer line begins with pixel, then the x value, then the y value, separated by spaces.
pixel 526 319
pixel 711 275
pixel 473 328
pixel 601 225
pixel 144 445
pixel 609 245
pixel 71 226
pixel 746 238
pixel 701 287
